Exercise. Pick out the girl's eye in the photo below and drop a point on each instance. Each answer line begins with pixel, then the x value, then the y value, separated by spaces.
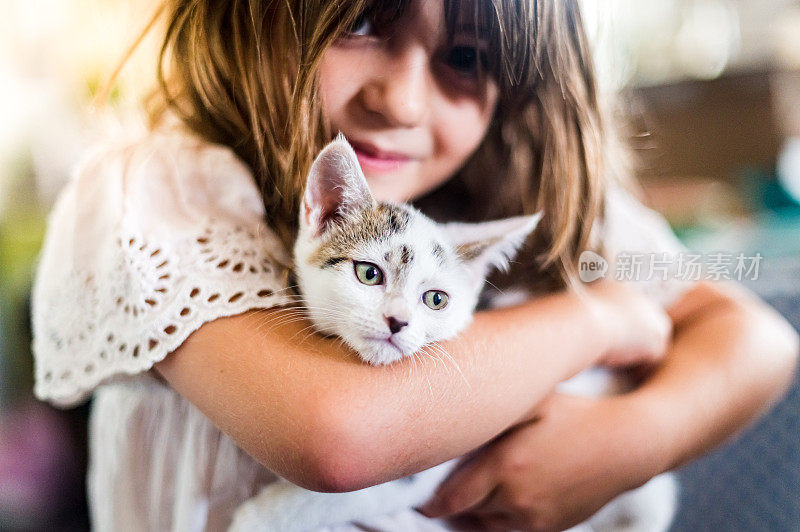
pixel 361 27
pixel 435 299
pixel 465 59
pixel 368 273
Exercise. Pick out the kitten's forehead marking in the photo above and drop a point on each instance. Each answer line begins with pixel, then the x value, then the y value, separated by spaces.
pixel 397 217
pixel 438 253
pixel 359 228
pixel 333 261
pixel 400 262
pixel 406 255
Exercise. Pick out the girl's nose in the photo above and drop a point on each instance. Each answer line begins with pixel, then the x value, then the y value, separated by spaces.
pixel 399 90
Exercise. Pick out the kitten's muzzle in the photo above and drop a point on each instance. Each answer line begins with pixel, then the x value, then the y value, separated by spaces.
pixel 395 325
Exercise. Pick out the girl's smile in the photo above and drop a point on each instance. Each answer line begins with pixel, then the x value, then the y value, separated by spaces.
pixel 376 160
pixel 411 101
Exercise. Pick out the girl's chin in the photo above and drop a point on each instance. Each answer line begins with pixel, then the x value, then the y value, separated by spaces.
pixel 397 187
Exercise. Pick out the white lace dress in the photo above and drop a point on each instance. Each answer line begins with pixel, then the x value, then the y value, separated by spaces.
pixel 149 240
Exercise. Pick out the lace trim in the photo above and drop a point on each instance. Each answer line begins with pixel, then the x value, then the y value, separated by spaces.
pixel 117 321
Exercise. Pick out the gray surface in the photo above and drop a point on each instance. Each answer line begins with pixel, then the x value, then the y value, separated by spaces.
pixel 751 484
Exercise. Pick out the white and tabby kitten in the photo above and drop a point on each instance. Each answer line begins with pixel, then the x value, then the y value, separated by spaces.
pixel 389 281
pixel 384 277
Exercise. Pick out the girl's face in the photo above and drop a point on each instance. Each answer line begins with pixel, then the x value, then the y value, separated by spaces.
pixel 412 106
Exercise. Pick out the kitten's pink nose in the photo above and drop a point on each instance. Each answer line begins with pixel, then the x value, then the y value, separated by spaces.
pixel 395 325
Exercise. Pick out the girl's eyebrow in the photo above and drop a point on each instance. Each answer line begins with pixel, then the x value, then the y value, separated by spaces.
pixel 481 30
pixel 470 26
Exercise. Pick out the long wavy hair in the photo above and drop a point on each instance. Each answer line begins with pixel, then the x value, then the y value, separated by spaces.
pixel 244 73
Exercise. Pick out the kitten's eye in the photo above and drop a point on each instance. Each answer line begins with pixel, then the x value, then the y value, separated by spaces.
pixel 435 299
pixel 368 273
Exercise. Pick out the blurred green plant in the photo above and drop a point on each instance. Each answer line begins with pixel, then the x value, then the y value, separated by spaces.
pixel 22 225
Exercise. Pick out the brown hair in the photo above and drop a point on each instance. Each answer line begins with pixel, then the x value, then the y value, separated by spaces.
pixel 243 73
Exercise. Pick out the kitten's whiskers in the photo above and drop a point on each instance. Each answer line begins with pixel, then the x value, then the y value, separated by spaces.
pixel 437 348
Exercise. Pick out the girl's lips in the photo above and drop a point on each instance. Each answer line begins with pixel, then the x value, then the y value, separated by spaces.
pixel 372 158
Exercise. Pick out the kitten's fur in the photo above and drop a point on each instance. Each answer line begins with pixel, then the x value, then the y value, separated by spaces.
pixel 341 225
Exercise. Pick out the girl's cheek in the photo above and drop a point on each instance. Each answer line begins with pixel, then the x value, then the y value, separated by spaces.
pixel 471 114
pixel 337 83
pixel 466 125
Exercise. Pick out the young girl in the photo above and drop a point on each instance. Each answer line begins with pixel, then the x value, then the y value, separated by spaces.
pixel 163 272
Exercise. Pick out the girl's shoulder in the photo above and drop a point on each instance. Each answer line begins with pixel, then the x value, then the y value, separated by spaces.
pixel 628 223
pixel 152 237
pixel 166 169
pixel 639 246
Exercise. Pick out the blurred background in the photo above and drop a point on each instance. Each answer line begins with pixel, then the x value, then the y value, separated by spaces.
pixel 711 93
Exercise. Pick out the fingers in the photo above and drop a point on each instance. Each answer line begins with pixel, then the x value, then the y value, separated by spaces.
pixel 493 520
pixel 464 489
pixel 473 523
pixel 495 515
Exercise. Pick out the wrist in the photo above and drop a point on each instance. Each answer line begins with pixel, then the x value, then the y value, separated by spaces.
pixel 596 316
pixel 650 425
pixel 625 450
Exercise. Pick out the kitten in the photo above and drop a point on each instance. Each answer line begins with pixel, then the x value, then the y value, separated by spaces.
pixel 384 277
pixel 389 281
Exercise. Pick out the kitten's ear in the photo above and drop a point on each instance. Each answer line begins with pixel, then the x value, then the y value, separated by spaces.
pixel 491 244
pixel 335 185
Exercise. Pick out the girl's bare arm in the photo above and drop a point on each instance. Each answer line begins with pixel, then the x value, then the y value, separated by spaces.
pixel 308 409
pixel 733 357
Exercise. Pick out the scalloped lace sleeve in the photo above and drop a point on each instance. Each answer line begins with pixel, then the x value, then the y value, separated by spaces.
pixel 642 248
pixel 148 241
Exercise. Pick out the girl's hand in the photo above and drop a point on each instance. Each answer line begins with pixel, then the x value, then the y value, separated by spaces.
pixel 552 473
pixel 638 329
